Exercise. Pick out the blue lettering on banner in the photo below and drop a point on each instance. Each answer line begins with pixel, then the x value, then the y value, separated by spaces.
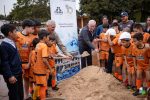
pixel 68 73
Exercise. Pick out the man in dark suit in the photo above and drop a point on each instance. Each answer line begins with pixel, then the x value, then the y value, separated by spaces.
pixel 86 38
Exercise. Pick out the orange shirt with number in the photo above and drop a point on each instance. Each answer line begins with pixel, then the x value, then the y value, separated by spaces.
pixel 128 53
pixel 139 54
pixel 41 52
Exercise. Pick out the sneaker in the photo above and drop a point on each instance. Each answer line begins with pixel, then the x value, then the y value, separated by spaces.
pixel 143 92
pixel 136 93
pixel 55 88
pixel 133 88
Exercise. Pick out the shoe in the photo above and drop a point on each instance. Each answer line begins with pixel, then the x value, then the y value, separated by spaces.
pixel 55 88
pixel 143 92
pixel 136 93
pixel 133 88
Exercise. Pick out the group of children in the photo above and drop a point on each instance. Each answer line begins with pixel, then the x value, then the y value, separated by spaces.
pixel 37 50
pixel 131 55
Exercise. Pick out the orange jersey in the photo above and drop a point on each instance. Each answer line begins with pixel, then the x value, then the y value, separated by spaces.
pixel 104 46
pixel 117 47
pixel 145 37
pixel 23 44
pixel 139 54
pixel 33 36
pixel 128 53
pixel 52 50
pixel 41 52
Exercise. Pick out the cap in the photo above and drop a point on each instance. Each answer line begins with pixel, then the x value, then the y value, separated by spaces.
pixel 110 32
pixel 124 14
pixel 125 35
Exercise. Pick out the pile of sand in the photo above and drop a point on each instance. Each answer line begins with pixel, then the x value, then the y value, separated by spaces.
pixel 92 84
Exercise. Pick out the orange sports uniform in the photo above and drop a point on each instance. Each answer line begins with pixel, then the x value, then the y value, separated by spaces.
pixel 128 53
pixel 52 50
pixel 141 60
pixel 23 44
pixel 118 52
pixel 145 37
pixel 40 69
pixel 104 48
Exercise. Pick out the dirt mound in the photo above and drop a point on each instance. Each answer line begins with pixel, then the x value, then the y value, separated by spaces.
pixel 92 84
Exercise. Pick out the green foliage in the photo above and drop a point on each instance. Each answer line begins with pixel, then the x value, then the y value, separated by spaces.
pixel 2 17
pixel 30 9
pixel 112 8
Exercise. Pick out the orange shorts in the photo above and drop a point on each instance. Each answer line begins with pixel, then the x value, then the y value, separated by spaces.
pixel 25 71
pixel 131 70
pixel 41 80
pixel 103 55
pixel 118 61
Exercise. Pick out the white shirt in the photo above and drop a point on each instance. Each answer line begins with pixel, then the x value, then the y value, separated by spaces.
pixel 11 42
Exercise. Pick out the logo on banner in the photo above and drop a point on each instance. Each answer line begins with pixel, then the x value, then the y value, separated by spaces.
pixel 69 9
pixel 58 11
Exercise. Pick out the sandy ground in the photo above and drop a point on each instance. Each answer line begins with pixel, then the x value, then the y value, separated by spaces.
pixel 92 84
pixel 88 84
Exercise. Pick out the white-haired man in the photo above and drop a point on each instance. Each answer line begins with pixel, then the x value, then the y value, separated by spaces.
pixel 86 38
pixel 50 27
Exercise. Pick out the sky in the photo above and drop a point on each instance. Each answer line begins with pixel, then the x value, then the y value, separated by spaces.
pixel 9 6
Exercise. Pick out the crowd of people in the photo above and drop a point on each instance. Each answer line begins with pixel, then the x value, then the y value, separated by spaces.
pixel 28 56
pixel 123 50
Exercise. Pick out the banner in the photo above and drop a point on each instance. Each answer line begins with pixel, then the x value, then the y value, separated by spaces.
pixel 63 12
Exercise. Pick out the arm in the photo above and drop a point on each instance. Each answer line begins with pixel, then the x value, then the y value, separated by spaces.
pixel 60 45
pixel 46 63
pixel 5 62
pixel 134 61
pixel 126 63
pixel 109 40
pixel 6 71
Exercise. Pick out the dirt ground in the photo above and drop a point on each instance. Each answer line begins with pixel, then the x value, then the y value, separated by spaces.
pixel 93 84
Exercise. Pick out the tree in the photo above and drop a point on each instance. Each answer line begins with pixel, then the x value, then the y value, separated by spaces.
pixel 112 8
pixel 2 17
pixel 30 9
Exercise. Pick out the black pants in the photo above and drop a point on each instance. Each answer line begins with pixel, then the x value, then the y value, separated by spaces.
pixel 84 59
pixel 16 89
pixel 110 61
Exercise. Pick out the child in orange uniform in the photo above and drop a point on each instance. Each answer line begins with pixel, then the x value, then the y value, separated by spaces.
pixel 116 48
pixel 52 51
pixel 141 62
pixel 103 47
pixel 41 64
pixel 138 28
pixel 127 48
pixel 23 44
pixel 32 63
